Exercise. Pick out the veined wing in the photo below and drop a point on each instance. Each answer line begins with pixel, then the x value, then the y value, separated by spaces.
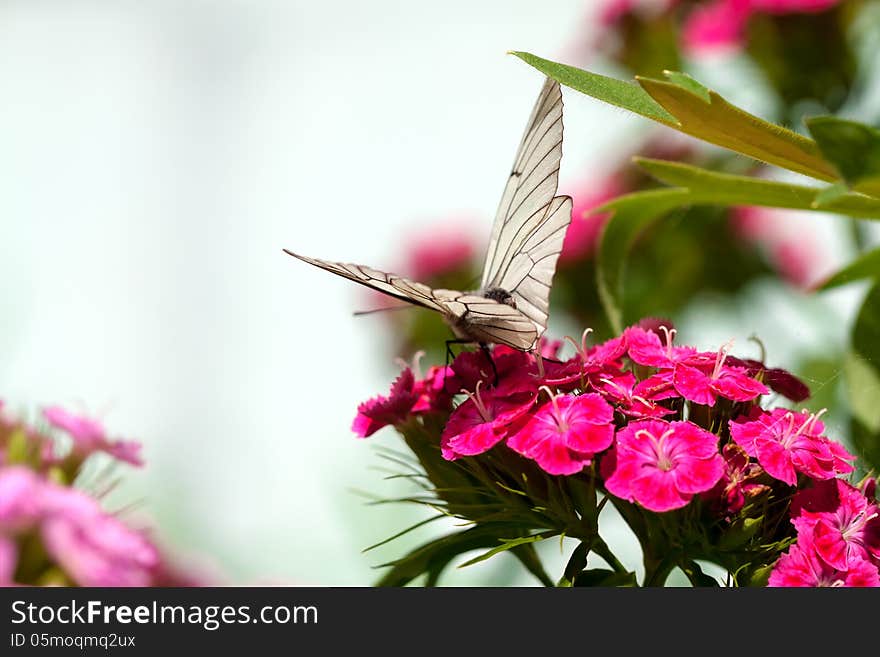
pixel 387 283
pixel 530 187
pixel 528 272
pixel 471 316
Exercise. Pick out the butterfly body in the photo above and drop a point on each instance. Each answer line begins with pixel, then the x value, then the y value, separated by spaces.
pixel 511 307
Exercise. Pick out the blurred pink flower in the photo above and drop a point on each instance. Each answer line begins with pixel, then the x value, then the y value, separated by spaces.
pixel 89 436
pixel 440 249
pixel 720 25
pixel 8 561
pixel 790 249
pixel 583 232
pixel 92 547
pixel 716 26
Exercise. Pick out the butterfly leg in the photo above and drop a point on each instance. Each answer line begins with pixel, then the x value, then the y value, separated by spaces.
pixel 488 354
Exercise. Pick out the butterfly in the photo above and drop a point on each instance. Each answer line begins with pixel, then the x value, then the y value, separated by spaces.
pixel 511 307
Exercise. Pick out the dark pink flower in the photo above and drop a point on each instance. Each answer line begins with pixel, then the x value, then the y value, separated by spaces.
pixel 482 421
pixel 381 411
pixel 738 483
pixel 802 566
pixel 662 465
pixel 842 523
pixel 513 369
pixel 703 378
pixel 564 435
pixel 785 443
pixel 588 366
pixel 776 378
pixel 89 436
pixel 647 348
pixel 632 397
pixel 793 6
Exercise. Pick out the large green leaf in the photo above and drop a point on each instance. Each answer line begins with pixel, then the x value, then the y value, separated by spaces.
pixel 853 148
pixel 867 265
pixel 683 103
pixel 714 188
pixel 631 214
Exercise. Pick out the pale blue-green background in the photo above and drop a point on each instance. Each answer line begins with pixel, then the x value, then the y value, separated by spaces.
pixel 156 156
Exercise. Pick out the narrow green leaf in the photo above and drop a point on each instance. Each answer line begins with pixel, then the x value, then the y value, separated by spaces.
pixel 627 95
pixel 713 188
pixel 854 148
pixel 685 81
pixel 506 545
pixel 867 265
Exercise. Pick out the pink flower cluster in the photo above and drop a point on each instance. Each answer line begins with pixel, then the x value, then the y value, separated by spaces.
pixel 53 533
pixel 665 424
pixel 838 537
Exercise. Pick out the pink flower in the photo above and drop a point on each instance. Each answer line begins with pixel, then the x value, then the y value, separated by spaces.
pixel 89 436
pixel 380 411
pixel 785 443
pixel 646 347
pixel 93 548
pixel 632 398
pixel 662 465
pixel 8 561
pixel 842 523
pixel 482 421
pixel 20 502
pixel 704 377
pixel 737 484
pixel 801 566
pixel 583 231
pixel 776 378
pixel 793 6
pixel 514 370
pixel 588 366
pixel 718 25
pixel 564 435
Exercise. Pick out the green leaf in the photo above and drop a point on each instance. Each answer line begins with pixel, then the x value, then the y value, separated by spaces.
pixel 867 265
pixel 433 557
pixel 713 188
pixel 506 544
pixel 604 577
pixel 632 214
pixel 627 95
pixel 682 103
pixel 854 148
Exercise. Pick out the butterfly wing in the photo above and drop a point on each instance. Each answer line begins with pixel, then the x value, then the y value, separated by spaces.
pixel 393 285
pixel 531 221
pixel 470 316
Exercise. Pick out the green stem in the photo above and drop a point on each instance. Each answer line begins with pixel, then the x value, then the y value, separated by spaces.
pixel 601 548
